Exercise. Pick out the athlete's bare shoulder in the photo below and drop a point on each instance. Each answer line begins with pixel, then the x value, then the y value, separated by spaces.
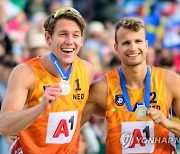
pixel 90 70
pixel 22 75
pixel 171 79
pixel 20 83
pixel 172 82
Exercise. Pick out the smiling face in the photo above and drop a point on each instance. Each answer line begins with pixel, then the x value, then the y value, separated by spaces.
pixel 65 41
pixel 131 46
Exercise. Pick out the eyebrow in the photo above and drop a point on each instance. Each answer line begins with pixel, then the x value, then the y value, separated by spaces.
pixel 68 31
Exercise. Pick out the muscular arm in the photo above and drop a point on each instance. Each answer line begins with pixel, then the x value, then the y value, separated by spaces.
pixel 12 115
pixel 172 82
pixel 96 103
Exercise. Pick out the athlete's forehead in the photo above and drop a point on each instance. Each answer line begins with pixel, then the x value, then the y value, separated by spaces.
pixel 124 34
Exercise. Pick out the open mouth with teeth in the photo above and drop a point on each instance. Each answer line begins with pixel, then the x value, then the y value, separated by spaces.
pixel 68 50
pixel 134 55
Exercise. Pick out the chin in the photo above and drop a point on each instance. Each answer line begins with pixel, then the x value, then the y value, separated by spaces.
pixel 69 62
pixel 133 63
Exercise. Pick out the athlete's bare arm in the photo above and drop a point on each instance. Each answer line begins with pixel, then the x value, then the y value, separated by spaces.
pixel 13 117
pixel 172 82
pixel 96 103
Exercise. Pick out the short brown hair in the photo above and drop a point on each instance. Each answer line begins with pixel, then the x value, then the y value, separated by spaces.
pixel 131 23
pixel 67 13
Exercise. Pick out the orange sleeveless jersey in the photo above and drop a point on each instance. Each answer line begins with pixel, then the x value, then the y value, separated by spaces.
pixel 57 130
pixel 126 133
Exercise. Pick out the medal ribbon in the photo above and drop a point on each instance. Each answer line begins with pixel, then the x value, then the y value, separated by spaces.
pixel 59 69
pixel 146 91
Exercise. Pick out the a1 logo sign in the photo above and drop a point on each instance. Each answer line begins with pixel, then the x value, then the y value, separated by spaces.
pixel 134 137
pixel 61 127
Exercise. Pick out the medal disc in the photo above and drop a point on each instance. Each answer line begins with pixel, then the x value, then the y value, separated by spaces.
pixel 141 112
pixel 66 88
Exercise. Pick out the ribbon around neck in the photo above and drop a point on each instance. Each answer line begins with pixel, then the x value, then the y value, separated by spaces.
pixel 59 69
pixel 146 91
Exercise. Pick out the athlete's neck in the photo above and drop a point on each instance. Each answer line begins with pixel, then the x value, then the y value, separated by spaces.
pixel 48 65
pixel 135 76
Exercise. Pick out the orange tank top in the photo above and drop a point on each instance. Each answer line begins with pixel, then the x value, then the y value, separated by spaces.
pixel 57 130
pixel 126 133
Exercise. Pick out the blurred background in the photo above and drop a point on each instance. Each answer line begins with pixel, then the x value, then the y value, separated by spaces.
pixel 22 38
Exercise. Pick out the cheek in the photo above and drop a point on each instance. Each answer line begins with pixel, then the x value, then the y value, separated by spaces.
pixel 119 50
pixel 119 54
pixel 82 40
pixel 79 43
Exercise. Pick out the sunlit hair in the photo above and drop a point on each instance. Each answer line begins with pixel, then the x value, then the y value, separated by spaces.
pixel 67 13
pixel 131 23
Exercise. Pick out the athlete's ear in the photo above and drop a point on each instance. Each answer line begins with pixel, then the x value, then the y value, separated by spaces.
pixel 48 37
pixel 115 47
pixel 82 40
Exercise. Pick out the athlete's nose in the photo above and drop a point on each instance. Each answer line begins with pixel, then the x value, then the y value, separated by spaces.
pixel 133 46
pixel 69 39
